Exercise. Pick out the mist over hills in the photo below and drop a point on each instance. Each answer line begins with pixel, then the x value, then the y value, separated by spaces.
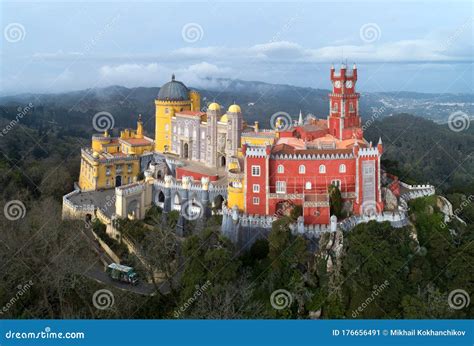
pixel 258 101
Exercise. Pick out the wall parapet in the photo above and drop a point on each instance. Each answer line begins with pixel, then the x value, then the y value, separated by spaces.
pixel 77 207
pixel 397 219
pixel 129 189
pixel 249 220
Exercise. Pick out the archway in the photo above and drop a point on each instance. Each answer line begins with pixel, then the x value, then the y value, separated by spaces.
pixel 176 202
pixel 185 150
pixel 118 180
pixel 222 161
pixel 218 201
pixel 133 208
pixel 161 197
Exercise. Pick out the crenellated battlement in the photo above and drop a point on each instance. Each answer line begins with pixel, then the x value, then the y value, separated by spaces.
pixel 253 151
pixel 368 152
pixel 130 189
pixel 322 156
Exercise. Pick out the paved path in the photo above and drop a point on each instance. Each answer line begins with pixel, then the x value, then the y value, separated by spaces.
pixel 97 272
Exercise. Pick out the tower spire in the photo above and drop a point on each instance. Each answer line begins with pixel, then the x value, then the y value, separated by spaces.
pixel 300 119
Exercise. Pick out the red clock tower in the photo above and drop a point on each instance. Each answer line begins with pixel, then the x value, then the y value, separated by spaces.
pixel 344 120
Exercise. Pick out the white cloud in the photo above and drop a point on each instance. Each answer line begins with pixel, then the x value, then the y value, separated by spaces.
pixel 200 75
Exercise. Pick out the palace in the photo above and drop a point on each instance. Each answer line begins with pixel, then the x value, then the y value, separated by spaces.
pixel 211 156
pixel 113 161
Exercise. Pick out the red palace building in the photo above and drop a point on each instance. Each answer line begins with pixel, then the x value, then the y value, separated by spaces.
pixel 307 158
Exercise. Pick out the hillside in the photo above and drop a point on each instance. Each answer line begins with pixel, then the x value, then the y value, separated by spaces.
pixel 418 150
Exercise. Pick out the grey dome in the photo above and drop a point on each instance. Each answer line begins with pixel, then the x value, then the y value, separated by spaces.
pixel 173 91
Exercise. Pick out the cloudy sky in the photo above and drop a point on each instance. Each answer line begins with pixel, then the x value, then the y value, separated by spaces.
pixel 398 46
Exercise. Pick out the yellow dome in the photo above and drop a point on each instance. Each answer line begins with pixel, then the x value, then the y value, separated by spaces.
pixel 214 107
pixel 224 119
pixel 95 154
pixel 234 109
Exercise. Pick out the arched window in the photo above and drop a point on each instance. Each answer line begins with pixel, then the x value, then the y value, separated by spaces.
pixel 281 169
pixel 335 107
pixel 351 107
pixel 302 169
pixel 308 185
pixel 322 169
pixel 342 168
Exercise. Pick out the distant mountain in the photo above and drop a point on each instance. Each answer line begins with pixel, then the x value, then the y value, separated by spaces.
pixel 258 101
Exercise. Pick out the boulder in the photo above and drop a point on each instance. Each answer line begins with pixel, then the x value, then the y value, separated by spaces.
pixel 389 199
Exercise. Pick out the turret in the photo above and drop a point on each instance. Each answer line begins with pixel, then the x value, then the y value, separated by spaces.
pixel 234 114
pixel 380 146
pixel 356 148
pixel 343 70
pixel 213 114
pixel 139 127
